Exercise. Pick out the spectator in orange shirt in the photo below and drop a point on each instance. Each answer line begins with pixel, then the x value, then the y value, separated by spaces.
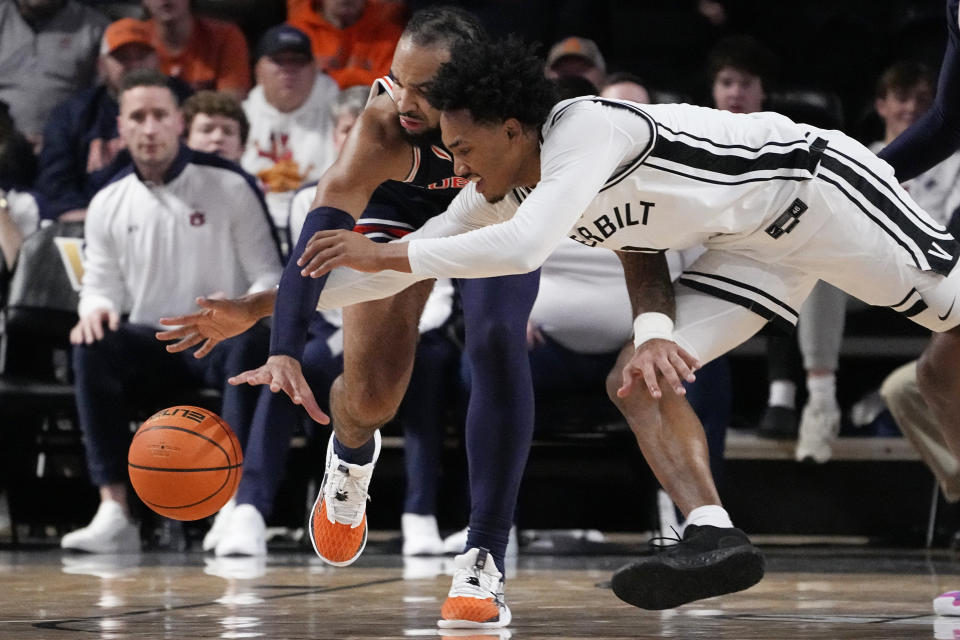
pixel 352 40
pixel 203 52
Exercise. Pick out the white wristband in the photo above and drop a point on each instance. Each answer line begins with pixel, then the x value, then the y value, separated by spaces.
pixel 650 325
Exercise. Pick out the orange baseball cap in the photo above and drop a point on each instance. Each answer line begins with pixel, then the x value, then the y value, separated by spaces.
pixel 125 31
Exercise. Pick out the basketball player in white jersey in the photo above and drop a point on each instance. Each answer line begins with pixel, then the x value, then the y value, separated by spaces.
pixel 778 205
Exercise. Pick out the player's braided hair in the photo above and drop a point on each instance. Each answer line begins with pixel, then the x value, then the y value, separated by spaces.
pixel 495 80
pixel 449 26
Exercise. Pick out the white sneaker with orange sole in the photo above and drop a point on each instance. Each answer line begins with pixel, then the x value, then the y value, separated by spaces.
pixel 475 600
pixel 338 520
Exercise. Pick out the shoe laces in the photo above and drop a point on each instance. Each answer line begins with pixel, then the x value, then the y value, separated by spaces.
pixel 345 492
pixel 661 543
pixel 474 582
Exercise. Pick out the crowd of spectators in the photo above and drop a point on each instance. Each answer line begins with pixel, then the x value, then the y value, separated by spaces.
pixel 273 102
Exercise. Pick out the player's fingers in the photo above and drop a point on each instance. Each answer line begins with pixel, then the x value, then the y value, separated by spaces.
pixel 113 320
pixel 626 385
pixel 682 368
pixel 76 334
pixel 189 341
pixel 243 378
pixel 175 321
pixel 688 358
pixel 205 348
pixel 650 378
pixel 670 377
pixel 174 334
pixel 314 411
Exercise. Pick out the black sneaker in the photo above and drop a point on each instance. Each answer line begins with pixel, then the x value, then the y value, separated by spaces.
pixel 708 561
pixel 779 423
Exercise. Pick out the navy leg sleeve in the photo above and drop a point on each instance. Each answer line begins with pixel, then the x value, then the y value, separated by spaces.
pixel 499 425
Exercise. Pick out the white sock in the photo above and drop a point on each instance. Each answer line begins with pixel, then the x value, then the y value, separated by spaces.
pixel 709 514
pixel 783 393
pixel 822 390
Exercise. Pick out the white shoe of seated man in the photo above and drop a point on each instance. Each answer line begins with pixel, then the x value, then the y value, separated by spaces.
pixel 819 428
pixel 421 537
pixel 110 531
pixel 219 526
pixel 456 542
pixel 245 533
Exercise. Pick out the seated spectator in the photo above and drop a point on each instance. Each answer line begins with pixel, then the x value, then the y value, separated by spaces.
pixel 18 207
pixel 215 123
pixel 626 86
pixel 291 132
pixel 904 93
pixel 172 202
pixel 577 57
pixel 82 139
pixel 352 40
pixel 346 110
pixel 48 51
pixel 203 52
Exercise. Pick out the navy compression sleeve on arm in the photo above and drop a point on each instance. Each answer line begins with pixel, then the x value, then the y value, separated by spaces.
pixel 936 134
pixel 298 295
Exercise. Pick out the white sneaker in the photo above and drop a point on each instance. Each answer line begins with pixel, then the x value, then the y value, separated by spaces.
pixel 338 521
pixel 455 543
pixel 819 427
pixel 110 531
pixel 475 600
pixel 947 604
pixel 245 533
pixel 218 529
pixel 421 537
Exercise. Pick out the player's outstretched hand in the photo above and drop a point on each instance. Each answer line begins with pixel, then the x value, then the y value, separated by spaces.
pixel 658 357
pixel 283 373
pixel 216 321
pixel 327 250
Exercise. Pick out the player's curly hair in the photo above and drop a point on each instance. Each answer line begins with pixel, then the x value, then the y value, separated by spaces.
pixel 495 80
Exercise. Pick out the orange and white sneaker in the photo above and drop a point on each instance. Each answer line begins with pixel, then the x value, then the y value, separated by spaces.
pixel 338 520
pixel 476 597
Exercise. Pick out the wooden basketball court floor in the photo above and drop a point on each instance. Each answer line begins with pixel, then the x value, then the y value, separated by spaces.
pixel 835 592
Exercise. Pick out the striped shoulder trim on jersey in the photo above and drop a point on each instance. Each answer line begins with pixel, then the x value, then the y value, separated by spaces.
pixel 777 312
pixel 414 165
pixel 931 247
pixel 630 167
pixel 705 160
pixel 383 84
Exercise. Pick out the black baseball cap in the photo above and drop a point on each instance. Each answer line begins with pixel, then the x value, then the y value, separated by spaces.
pixel 284 38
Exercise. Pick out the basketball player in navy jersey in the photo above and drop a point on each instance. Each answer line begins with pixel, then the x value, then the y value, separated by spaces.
pixel 778 205
pixel 393 175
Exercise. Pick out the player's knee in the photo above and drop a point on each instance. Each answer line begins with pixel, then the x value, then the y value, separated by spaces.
pixel 492 341
pixel 935 382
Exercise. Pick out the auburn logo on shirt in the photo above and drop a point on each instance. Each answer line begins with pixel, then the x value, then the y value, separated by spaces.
pixel 197 219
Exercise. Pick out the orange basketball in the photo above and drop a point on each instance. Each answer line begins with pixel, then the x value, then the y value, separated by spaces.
pixel 185 462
